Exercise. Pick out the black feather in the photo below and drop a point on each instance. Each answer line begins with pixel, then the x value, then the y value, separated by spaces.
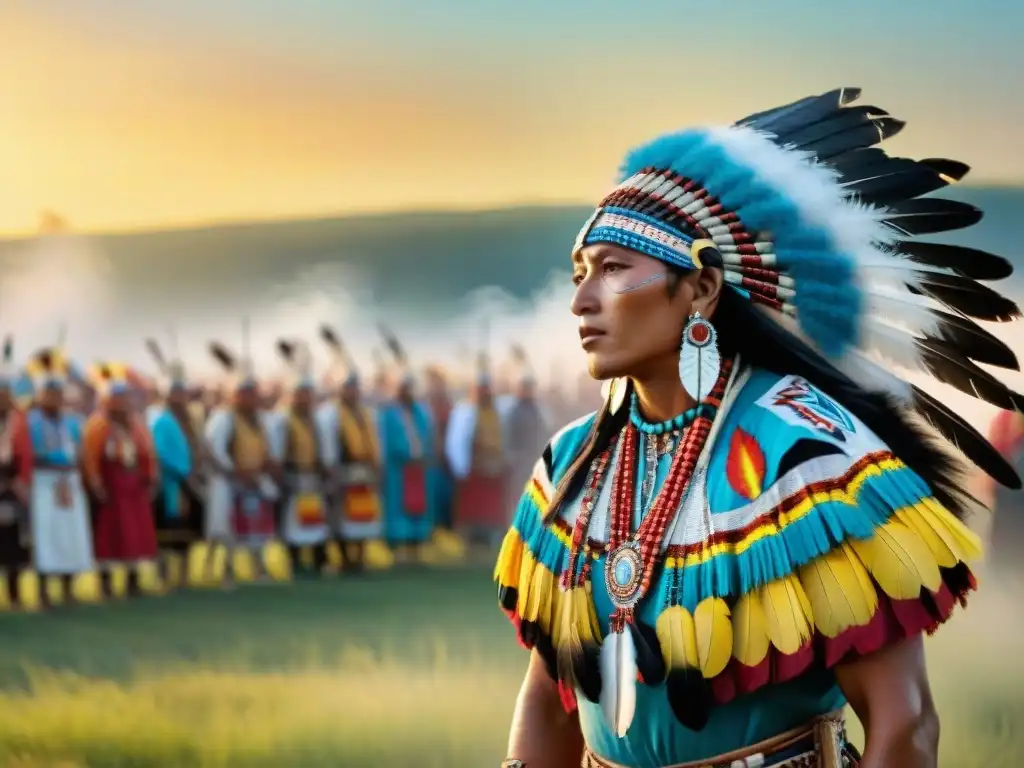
pixel 8 352
pixel 969 262
pixel 953 170
pixel 806 111
pixel 286 349
pixel 843 121
pixel 897 185
pixel 156 353
pixel 867 135
pixel 928 215
pixel 966 296
pixel 852 164
pixel 329 336
pixel 650 662
pixel 966 439
pixel 805 450
pixel 689 695
pixel 973 341
pixel 222 355
pixel 950 367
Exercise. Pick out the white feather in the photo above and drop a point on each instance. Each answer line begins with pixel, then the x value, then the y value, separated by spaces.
pixel 893 345
pixel 813 187
pixel 875 378
pixel 699 368
pixel 618 681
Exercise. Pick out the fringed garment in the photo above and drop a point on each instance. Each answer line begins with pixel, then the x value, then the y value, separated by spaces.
pixel 806 544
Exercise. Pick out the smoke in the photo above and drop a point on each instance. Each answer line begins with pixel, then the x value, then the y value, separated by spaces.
pixel 65 279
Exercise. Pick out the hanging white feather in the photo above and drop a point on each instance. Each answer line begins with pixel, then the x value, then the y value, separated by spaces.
pixel 618 681
pixel 699 360
pixel 614 392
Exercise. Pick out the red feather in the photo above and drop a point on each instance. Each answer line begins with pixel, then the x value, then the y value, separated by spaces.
pixel 745 467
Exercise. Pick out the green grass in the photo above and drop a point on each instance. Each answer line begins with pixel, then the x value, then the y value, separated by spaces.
pixel 394 669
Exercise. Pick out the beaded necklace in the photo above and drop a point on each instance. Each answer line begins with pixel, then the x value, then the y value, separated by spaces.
pixel 629 567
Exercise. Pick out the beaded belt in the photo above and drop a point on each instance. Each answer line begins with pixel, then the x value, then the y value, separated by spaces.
pixel 818 744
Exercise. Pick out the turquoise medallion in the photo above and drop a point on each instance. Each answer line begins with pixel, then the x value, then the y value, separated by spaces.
pixel 623 575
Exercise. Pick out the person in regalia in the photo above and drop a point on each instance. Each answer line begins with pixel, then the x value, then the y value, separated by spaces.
pixel 755 529
pixel 61 528
pixel 406 437
pixel 477 454
pixel 348 430
pixel 180 451
pixel 242 490
pixel 295 446
pixel 525 425
pixel 1006 551
pixel 121 472
pixel 439 402
pixel 15 481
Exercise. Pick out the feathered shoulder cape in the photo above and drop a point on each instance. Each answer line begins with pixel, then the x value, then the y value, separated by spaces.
pixel 809 541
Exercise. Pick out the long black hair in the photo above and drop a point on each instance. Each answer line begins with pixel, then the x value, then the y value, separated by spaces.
pixel 763 343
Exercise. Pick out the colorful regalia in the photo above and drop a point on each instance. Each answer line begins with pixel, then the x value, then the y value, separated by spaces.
pixel 15 481
pixel 439 403
pixel 525 425
pixel 60 521
pixel 241 493
pixel 407 447
pixel 351 449
pixel 477 454
pixel 295 445
pixel 121 473
pixel 179 503
pixel 694 584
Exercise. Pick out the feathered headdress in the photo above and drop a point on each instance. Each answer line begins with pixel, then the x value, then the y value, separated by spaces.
pixel 522 369
pixel 299 359
pixel 807 218
pixel 110 378
pixel 172 371
pixel 398 355
pixel 239 371
pixel 7 361
pixel 343 368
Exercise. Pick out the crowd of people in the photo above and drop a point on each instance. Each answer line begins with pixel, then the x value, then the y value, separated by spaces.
pixel 117 483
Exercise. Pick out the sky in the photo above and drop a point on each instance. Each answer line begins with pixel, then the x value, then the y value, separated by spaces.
pixel 155 113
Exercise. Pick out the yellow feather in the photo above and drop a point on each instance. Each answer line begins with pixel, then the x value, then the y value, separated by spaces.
pixel 559 601
pixel 945 551
pixel 946 524
pixel 787 612
pixel 899 561
pixel 538 605
pixel 839 590
pixel 677 637
pixel 510 559
pixel 523 582
pixel 714 635
pixel 591 611
pixel 749 631
pixel 582 609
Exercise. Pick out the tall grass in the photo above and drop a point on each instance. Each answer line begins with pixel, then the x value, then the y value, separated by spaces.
pixel 426 699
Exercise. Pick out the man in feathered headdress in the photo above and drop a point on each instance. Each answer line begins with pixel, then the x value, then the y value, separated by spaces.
pixel 526 426
pixel 59 509
pixel 349 438
pixel 476 452
pixel 180 451
pixel 242 491
pixel 15 481
pixel 295 446
pixel 408 448
pixel 121 475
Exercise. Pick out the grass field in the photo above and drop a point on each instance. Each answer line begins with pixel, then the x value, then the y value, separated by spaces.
pixel 394 669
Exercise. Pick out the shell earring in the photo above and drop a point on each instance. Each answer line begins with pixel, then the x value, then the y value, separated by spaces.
pixel 699 360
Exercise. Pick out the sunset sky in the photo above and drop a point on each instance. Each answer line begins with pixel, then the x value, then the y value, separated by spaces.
pixel 167 112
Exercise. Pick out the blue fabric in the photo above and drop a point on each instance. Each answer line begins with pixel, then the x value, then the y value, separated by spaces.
pixel 399 526
pixel 45 435
pixel 172 451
